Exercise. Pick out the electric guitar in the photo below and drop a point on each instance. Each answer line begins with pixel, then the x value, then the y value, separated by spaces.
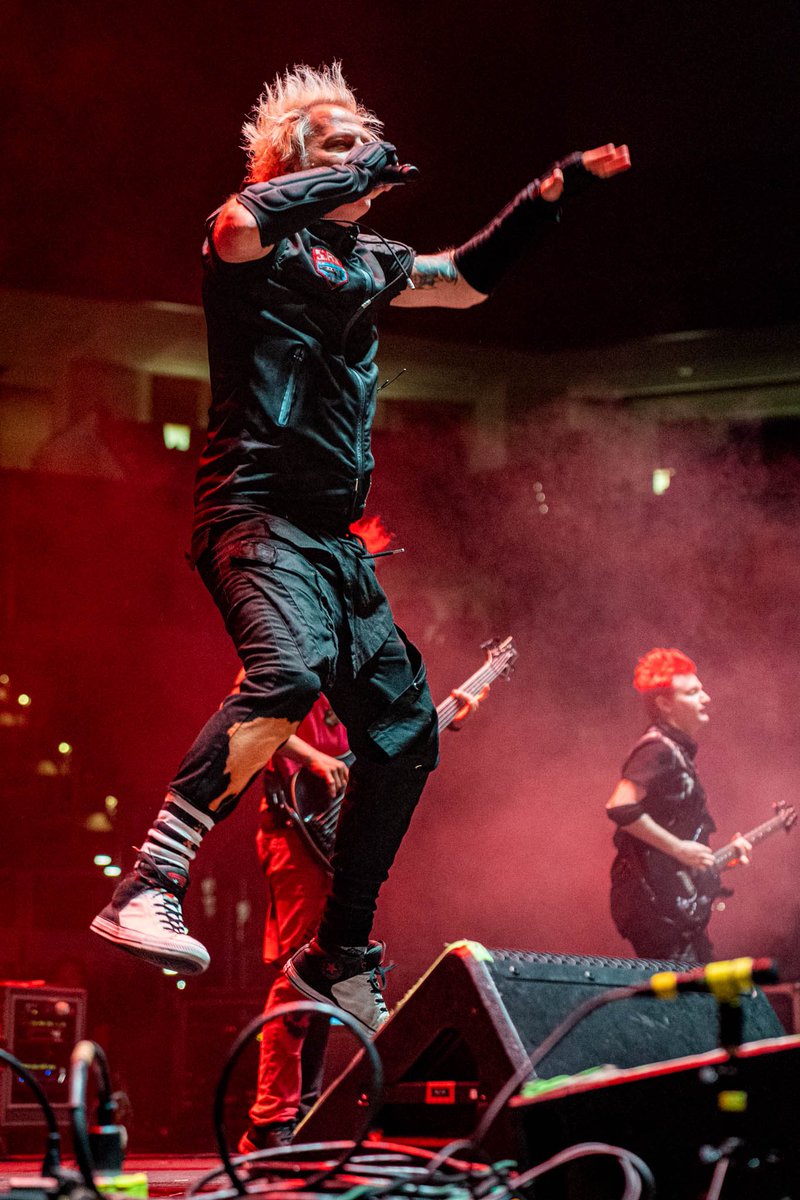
pixel 686 897
pixel 309 804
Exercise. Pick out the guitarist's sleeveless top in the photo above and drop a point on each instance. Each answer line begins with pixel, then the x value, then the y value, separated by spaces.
pixel 662 762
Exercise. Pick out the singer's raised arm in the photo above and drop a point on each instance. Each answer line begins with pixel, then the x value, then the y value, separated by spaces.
pixel 248 226
pixel 465 276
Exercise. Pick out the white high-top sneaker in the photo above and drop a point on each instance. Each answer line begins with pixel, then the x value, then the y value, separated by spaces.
pixel 145 918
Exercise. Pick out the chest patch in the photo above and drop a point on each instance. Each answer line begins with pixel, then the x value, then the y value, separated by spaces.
pixel 328 266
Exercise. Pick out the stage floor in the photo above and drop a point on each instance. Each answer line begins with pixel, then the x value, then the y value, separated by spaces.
pixel 167 1174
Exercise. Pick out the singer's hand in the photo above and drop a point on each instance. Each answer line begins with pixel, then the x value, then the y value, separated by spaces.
pixel 469 705
pixel 694 855
pixel 603 162
pixel 553 186
pixel 607 160
pixel 373 155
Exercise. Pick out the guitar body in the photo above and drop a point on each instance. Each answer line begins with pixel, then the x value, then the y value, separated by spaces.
pixel 315 812
pixel 309 804
pixel 658 891
pixel 684 898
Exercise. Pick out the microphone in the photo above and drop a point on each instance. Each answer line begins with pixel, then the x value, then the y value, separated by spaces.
pixel 725 980
pixel 399 173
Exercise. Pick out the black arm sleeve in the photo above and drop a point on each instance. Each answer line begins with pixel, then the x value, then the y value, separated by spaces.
pixel 625 814
pixel 485 258
pixel 282 206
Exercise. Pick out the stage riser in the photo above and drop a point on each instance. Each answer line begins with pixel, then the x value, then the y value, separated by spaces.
pixel 667 1118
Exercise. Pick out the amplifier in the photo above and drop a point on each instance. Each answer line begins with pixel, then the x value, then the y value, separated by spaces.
pixel 39 1025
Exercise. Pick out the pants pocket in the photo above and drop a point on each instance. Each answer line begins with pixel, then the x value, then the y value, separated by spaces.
pixel 408 725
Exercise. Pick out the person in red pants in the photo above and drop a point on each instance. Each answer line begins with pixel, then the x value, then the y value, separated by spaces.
pixel 292 1052
pixel 293 1049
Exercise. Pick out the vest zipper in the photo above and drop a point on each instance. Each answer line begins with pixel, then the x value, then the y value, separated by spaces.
pixel 291 387
pixel 360 431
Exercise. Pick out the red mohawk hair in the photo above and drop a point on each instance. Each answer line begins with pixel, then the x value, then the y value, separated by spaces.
pixel 656 669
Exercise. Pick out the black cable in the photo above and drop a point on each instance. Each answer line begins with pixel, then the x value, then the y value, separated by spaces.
pixel 376 233
pixel 93 1055
pixel 51 1163
pixel 370 300
pixel 626 1158
pixel 636 1172
pixel 86 1055
pixel 285 1158
pixel 388 1169
pixel 374 1095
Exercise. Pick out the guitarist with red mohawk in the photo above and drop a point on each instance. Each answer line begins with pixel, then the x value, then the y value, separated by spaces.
pixel 663 824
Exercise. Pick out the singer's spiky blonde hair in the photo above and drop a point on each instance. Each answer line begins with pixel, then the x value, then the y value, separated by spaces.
pixel 274 136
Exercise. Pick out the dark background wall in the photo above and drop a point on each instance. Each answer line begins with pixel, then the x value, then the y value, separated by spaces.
pixel 122 124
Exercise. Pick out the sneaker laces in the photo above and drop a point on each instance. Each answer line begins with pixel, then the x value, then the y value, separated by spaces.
pixel 377 982
pixel 169 910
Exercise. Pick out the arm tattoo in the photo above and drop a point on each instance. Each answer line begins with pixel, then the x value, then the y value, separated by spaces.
pixel 429 271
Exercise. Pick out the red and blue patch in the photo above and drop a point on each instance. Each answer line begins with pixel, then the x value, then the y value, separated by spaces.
pixel 328 266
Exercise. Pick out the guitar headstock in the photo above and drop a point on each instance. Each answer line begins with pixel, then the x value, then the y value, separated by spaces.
pixel 500 656
pixel 786 813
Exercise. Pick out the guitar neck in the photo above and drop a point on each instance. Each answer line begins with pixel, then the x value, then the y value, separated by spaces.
pixel 449 707
pixel 729 852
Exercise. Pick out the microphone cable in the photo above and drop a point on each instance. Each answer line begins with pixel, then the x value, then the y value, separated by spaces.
pixel 111 1137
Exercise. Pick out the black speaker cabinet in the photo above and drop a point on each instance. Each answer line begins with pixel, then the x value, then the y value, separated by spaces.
pixel 39 1025
pixel 475 1015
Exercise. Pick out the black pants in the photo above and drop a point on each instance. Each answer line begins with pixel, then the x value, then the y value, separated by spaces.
pixel 665 942
pixel 635 912
pixel 306 615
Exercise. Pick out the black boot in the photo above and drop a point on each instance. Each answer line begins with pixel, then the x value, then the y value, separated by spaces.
pixel 266 1137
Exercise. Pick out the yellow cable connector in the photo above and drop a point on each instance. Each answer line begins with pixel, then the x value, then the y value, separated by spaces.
pixel 128 1183
pixel 665 984
pixel 729 980
pixel 734 1101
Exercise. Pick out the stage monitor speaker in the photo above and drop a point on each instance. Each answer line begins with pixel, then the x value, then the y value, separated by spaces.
pixel 474 1017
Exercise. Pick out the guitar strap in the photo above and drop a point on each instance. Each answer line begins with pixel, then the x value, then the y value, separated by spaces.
pixel 654 734
pixel 277 802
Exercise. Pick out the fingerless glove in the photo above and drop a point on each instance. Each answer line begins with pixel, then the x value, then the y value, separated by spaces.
pixel 485 258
